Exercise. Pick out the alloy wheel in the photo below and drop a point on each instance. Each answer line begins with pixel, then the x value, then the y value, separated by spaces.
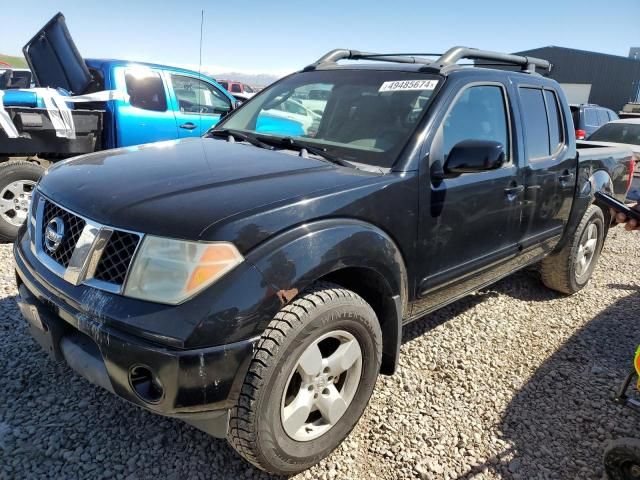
pixel 321 385
pixel 15 199
pixel 586 250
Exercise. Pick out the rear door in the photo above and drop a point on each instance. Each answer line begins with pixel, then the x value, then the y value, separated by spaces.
pixel 469 222
pixel 550 170
pixel 146 116
pixel 197 104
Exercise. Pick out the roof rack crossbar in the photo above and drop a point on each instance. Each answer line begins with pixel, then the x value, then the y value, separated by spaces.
pixel 342 54
pixel 444 62
pixel 453 55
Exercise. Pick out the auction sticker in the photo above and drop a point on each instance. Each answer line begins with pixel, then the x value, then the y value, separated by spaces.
pixel 400 85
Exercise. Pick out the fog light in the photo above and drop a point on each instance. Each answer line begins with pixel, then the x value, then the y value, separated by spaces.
pixel 145 384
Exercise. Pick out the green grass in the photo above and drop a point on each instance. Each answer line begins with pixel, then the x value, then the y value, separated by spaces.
pixel 17 62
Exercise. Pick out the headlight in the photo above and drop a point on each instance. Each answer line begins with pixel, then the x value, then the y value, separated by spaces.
pixel 170 271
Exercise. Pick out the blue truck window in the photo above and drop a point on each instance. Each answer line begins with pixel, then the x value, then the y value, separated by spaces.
pixel 478 114
pixel 198 97
pixel 535 122
pixel 146 90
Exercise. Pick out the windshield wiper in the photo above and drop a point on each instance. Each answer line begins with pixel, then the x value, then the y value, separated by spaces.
pixel 288 142
pixel 235 134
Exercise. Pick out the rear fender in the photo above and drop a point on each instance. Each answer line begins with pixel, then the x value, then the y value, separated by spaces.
pixel 588 184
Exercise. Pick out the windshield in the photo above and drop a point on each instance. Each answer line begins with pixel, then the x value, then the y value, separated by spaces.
pixel 363 116
pixel 618 133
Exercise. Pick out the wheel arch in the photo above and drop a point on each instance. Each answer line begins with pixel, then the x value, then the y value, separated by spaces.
pixel 353 254
pixel 589 183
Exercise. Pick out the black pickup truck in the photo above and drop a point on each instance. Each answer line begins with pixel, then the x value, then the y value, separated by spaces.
pixel 255 282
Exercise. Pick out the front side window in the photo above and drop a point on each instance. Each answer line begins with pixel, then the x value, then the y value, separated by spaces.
pixel 198 97
pixel 478 113
pixel 362 116
pixel 146 89
pixel 628 133
pixel 248 89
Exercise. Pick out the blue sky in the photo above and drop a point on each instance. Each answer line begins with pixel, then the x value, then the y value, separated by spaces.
pixel 280 36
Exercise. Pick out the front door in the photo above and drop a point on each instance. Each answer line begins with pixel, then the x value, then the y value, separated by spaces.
pixel 197 104
pixel 469 221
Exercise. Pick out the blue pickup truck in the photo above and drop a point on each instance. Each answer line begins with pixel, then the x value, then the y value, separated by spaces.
pixel 145 103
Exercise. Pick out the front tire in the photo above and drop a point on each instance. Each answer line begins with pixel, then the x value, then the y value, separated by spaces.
pixel 622 459
pixel 570 270
pixel 310 379
pixel 17 182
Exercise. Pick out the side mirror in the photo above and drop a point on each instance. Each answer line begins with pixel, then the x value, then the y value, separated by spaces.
pixel 471 156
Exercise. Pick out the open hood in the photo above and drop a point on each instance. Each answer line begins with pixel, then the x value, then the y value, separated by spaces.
pixel 55 60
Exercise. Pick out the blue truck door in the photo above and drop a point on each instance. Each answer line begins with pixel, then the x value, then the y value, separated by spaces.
pixel 197 104
pixel 469 222
pixel 146 116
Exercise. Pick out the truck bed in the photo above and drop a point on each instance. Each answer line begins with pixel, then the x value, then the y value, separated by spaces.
pixel 38 136
pixel 613 158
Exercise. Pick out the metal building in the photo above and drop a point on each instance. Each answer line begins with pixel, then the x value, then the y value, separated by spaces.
pixel 591 77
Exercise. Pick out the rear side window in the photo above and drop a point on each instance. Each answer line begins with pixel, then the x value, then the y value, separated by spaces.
pixel 556 130
pixel 146 90
pixel 479 113
pixel 535 122
pixel 224 85
pixel 544 129
pixel 603 117
pixel 590 117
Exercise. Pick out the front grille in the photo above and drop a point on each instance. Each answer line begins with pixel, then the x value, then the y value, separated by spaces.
pixel 73 226
pixel 116 258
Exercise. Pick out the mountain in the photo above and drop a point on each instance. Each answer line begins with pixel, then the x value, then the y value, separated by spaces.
pixel 253 79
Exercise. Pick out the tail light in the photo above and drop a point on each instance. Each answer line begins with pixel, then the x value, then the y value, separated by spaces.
pixel 581 134
pixel 632 169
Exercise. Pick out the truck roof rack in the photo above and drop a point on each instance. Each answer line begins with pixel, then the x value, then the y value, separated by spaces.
pixel 444 63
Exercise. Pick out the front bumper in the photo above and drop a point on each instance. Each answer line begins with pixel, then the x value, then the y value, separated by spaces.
pixel 196 385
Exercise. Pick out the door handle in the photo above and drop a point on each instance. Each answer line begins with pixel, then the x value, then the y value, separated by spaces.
pixel 188 126
pixel 513 191
pixel 566 178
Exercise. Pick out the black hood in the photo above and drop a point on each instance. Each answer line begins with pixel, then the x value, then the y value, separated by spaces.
pixel 178 188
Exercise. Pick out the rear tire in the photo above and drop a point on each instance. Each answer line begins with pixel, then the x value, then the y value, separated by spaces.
pixel 570 270
pixel 311 377
pixel 17 182
pixel 622 459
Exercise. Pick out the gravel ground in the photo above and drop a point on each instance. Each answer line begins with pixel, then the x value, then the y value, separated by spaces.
pixel 512 382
